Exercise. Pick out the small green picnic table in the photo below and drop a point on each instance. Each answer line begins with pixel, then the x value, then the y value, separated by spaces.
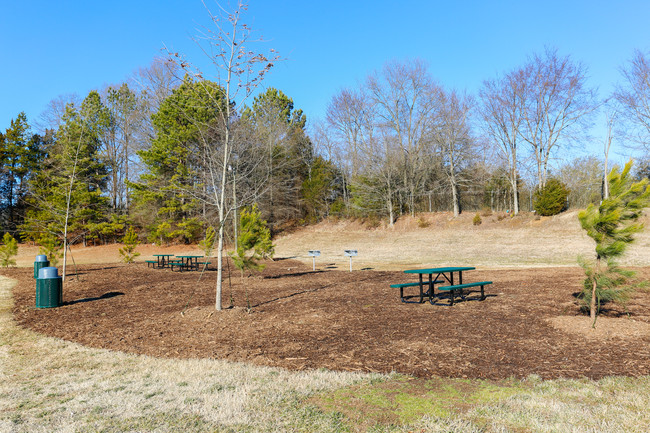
pixel 189 262
pixel 163 260
pixel 442 275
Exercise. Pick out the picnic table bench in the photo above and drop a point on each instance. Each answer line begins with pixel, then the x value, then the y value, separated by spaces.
pixel 442 275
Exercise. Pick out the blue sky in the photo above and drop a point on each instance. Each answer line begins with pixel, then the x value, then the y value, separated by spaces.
pixel 50 48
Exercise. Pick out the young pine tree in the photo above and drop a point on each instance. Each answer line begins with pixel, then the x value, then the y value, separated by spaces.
pixel 254 241
pixel 130 242
pixel 207 244
pixel 612 226
pixel 8 251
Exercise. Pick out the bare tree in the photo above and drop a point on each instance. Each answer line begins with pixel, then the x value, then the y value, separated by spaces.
pixel 157 81
pixel 405 98
pixel 350 118
pixel 238 70
pixel 557 103
pixel 127 112
pixel 452 136
pixel 51 117
pixel 610 119
pixel 502 114
pixel 634 97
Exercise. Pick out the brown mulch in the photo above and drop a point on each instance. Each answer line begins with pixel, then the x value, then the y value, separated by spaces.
pixel 345 321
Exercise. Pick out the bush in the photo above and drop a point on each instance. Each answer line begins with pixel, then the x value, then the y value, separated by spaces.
pixel 8 250
pixel 552 199
pixel 477 219
pixel 423 223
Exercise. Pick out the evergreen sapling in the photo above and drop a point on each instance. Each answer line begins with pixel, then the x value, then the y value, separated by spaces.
pixel 612 226
pixel 8 251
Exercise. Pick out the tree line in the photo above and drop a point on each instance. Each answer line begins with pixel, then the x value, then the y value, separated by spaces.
pixel 152 152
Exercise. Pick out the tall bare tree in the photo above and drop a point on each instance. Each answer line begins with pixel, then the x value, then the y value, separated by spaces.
pixel 405 97
pixel 453 137
pixel 634 97
pixel 350 118
pixel 502 114
pixel 239 71
pixel 557 104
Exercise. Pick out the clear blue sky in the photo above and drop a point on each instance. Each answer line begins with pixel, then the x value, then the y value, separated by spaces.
pixel 49 48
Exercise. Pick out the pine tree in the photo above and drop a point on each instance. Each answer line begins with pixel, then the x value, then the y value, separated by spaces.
pixel 8 251
pixel 67 198
pixel 612 226
pixel 254 241
pixel 130 242
pixel 168 190
pixel 20 155
pixel 207 244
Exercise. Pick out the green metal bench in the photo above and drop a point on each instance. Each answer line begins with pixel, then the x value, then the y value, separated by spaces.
pixel 422 292
pixel 460 288
pixel 153 263
pixel 176 264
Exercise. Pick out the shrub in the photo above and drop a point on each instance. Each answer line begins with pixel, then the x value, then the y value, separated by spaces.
pixel 8 251
pixel 423 223
pixel 477 219
pixel 130 242
pixel 552 199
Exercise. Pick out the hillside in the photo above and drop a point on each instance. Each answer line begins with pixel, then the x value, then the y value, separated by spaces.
pixel 499 241
pixel 431 239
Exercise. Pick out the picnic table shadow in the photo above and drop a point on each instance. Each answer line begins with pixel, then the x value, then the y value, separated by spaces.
pixel 445 297
pixel 106 295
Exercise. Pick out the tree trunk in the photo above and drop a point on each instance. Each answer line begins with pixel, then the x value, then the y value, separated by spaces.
pixel 455 198
pixel 592 303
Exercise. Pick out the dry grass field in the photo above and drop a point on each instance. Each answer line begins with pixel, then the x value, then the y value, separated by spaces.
pixel 500 241
pixel 49 384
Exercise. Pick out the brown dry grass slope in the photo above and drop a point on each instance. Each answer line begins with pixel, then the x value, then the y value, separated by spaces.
pixel 501 241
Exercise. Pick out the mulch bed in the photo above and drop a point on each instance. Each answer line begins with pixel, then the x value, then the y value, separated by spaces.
pixel 339 320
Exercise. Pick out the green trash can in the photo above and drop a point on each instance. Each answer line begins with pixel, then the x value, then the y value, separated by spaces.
pixel 49 288
pixel 40 262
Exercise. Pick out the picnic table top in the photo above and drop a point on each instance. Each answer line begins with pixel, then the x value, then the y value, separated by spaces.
pixel 189 257
pixel 439 270
pixel 163 255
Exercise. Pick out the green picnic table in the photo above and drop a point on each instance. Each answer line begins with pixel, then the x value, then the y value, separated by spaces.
pixel 162 260
pixel 187 263
pixel 439 276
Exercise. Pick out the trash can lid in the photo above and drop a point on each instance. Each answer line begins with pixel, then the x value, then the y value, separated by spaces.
pixel 48 272
pixel 41 258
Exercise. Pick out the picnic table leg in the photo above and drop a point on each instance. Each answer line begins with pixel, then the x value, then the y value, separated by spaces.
pixel 430 288
pixel 421 291
pixel 460 281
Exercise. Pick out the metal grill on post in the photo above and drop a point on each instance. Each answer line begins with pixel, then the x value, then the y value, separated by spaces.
pixel 350 254
pixel 314 254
